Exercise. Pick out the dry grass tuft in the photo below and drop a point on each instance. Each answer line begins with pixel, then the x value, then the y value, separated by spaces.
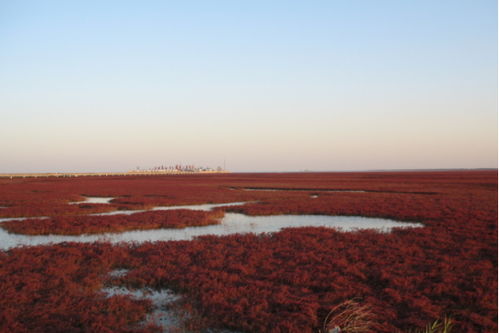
pixel 444 326
pixel 349 316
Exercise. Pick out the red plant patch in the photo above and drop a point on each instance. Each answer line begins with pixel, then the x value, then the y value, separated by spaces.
pixel 283 282
pixel 76 225
pixel 56 289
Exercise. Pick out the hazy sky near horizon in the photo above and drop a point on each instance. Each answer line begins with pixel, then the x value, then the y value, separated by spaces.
pixel 266 85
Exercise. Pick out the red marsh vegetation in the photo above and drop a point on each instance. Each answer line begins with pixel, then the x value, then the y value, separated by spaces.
pixel 288 281
pixel 77 225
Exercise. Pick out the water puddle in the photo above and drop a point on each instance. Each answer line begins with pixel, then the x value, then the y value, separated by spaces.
pixel 3 219
pixel 162 315
pixel 274 189
pixel 117 273
pixel 232 223
pixel 204 207
pixel 296 190
pixel 259 189
pixel 93 200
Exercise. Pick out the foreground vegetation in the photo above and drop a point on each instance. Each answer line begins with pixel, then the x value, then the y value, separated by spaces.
pixel 77 225
pixel 297 280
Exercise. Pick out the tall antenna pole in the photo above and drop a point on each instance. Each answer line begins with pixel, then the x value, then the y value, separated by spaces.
pixel 224 165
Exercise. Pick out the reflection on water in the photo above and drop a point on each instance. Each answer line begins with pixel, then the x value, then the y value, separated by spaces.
pixel 205 207
pixel 232 223
pixel 93 200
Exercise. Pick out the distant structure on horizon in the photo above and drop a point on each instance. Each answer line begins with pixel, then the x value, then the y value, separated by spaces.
pixel 178 168
pixel 158 170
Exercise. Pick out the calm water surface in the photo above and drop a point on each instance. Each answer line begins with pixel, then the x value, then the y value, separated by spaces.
pixel 298 190
pixel 94 200
pixel 232 223
pixel 204 207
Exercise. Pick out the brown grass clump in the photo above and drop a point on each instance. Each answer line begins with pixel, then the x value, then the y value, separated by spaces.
pixel 444 326
pixel 349 317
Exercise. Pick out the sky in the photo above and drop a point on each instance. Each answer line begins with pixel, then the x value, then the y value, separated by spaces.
pixel 264 85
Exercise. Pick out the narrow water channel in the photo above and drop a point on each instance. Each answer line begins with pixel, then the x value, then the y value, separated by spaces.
pixel 232 223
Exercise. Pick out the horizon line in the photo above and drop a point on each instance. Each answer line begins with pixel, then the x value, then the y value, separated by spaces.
pixel 152 173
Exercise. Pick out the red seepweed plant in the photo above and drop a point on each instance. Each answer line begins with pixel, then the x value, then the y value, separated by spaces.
pixel 283 282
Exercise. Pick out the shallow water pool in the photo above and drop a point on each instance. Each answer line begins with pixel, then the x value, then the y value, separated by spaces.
pixel 93 200
pixel 204 207
pixel 232 223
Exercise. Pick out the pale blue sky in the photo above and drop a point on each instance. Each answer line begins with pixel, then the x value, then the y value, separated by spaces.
pixel 268 85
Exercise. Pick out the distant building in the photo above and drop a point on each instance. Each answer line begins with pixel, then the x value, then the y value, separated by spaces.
pixel 178 168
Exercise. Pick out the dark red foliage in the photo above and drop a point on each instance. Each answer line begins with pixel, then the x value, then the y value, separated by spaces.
pixel 283 282
pixel 56 289
pixel 77 225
